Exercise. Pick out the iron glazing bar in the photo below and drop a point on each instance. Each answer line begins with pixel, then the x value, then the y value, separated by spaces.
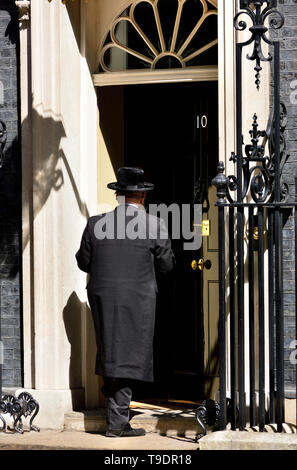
pixel 232 320
pixel 222 320
pixel 261 320
pixel 271 316
pixel 251 316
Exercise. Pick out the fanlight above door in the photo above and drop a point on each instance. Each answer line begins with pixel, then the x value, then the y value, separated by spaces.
pixel 162 34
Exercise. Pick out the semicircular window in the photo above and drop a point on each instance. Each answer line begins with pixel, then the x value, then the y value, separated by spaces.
pixel 162 34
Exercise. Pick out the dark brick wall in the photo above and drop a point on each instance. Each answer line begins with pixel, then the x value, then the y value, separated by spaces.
pixel 288 54
pixel 10 200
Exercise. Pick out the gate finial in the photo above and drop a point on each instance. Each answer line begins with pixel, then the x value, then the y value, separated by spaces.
pixel 221 182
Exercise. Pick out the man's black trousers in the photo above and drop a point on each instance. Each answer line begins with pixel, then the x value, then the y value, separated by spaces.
pixel 118 394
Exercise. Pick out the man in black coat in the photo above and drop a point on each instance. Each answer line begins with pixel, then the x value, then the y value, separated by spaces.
pixel 121 250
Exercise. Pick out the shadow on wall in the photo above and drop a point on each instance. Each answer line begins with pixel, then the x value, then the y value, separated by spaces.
pixel 110 99
pixel 42 177
pixel 47 171
pixel 78 316
pixel 46 174
pixel 72 316
pixel 74 14
pixel 212 370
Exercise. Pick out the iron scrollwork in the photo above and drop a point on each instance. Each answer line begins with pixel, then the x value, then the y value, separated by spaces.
pixel 258 29
pixel 23 405
pixel 207 414
pixel 259 179
pixel 3 422
pixel 270 133
pixel 255 190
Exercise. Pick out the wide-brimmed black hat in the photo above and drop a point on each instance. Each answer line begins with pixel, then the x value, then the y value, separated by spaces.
pixel 131 179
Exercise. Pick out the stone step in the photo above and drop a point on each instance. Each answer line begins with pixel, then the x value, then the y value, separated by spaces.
pixel 163 421
pixel 240 440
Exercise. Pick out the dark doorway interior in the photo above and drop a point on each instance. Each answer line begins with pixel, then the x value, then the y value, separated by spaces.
pixel 171 131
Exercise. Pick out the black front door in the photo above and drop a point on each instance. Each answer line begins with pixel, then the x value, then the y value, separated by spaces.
pixel 171 132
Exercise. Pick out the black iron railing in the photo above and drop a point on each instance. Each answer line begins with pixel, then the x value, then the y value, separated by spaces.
pixel 254 202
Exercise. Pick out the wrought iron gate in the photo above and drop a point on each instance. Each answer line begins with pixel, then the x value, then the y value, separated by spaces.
pixel 253 204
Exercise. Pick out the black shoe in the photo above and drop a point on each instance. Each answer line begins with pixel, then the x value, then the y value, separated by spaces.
pixel 127 431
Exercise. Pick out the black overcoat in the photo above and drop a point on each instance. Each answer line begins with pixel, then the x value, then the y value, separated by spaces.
pixel 122 287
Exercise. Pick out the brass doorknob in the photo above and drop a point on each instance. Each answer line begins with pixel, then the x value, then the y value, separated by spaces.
pixel 201 264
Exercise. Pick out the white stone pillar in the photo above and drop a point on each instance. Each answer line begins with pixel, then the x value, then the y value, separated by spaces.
pixel 26 98
pixel 59 190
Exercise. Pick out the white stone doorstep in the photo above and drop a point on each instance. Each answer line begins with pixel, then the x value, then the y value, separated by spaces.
pixel 242 440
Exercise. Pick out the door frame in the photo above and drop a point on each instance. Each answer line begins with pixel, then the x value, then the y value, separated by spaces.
pixel 224 73
pixel 112 102
pixel 140 77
